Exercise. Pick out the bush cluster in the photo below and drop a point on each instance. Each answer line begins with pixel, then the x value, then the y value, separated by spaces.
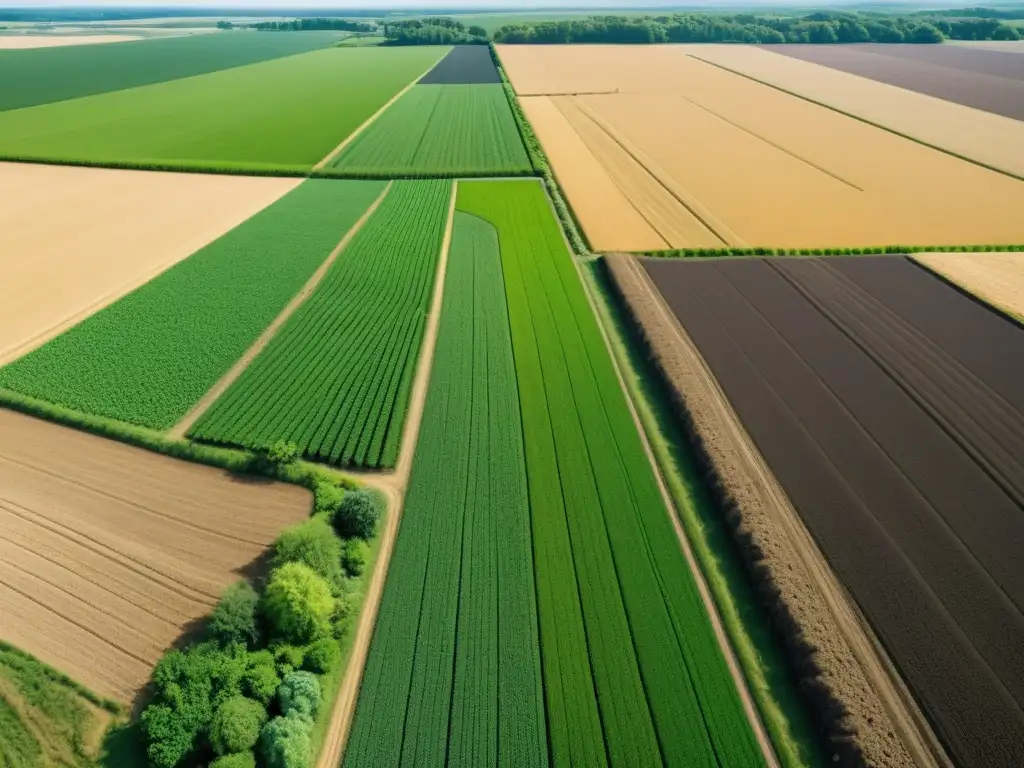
pixel 249 692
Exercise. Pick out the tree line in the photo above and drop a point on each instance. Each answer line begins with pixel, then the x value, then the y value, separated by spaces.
pixel 305 25
pixel 821 27
pixel 435 30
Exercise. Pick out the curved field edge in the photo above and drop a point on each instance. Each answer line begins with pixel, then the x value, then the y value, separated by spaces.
pixel 150 356
pixel 782 710
pixel 45 715
pixel 439 623
pixel 616 533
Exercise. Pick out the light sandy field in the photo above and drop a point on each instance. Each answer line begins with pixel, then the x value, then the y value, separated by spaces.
pixel 996 278
pixel 108 552
pixel 20 42
pixel 744 164
pixel 984 137
pixel 73 240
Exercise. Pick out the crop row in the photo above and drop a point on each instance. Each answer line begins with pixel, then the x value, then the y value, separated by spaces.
pixel 632 669
pixel 283 115
pixel 335 379
pixel 149 357
pixel 453 675
pixel 441 130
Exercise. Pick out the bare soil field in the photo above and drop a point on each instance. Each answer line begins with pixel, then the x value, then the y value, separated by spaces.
pixel 992 81
pixel 109 554
pixel 1007 46
pixel 24 42
pixel 983 137
pixel 888 406
pixel 742 164
pixel 73 240
pixel 996 278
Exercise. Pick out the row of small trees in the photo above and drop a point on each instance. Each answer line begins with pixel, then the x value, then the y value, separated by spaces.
pixel 248 693
pixel 822 27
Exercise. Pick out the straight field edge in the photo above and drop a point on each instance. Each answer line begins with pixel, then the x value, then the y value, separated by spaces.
pixel 574 233
pixel 881 250
pixel 978 298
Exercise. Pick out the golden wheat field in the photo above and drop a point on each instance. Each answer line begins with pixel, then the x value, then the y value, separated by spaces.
pixel 709 158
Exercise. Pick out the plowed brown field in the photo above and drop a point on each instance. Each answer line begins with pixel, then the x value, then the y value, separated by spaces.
pixel 109 553
pixel 73 240
pixel 709 158
pixel 997 278
pixel 889 407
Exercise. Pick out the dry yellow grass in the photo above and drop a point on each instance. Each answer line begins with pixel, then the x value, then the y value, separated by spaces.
pixel 996 278
pixel 984 137
pixel 108 552
pixel 73 240
pixel 751 165
pixel 22 42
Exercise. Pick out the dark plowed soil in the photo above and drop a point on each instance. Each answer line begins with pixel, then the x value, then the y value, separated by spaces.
pixel 464 65
pixel 884 402
pixel 989 80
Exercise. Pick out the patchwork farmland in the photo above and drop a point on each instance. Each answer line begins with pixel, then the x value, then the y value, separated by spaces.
pixel 347 418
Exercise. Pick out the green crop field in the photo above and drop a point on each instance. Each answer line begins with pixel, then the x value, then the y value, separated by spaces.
pixel 632 670
pixel 45 718
pixel 453 676
pixel 149 357
pixel 44 75
pixel 440 130
pixel 335 380
pixel 283 115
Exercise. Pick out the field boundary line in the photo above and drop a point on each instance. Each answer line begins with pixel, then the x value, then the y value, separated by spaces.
pixel 718 228
pixel 725 645
pixel 373 118
pixel 977 298
pixel 179 430
pixel 393 485
pixel 864 120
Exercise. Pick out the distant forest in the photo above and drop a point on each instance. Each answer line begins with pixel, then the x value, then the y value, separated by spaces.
pixel 821 27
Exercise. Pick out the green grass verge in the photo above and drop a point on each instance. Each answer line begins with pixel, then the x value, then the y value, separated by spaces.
pixel 45 717
pixel 705 253
pixel 29 78
pixel 150 356
pixel 335 379
pixel 290 112
pixel 764 665
pixel 454 672
pixel 633 671
pixel 440 130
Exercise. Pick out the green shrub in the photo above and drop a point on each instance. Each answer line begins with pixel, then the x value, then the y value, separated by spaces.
pixel 339 619
pixel 237 760
pixel 298 604
pixel 234 618
pixel 315 544
pixel 236 725
pixel 327 498
pixel 285 742
pixel 321 656
pixel 358 515
pixel 300 694
pixel 288 658
pixel 353 557
pixel 260 680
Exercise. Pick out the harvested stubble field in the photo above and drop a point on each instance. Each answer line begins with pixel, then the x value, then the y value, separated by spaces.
pixel 284 115
pixel 74 240
pixel 992 81
pixel 986 138
pixel 888 406
pixel 150 356
pixel 108 553
pixel 30 78
pixel 335 380
pixel 997 278
pixel 27 42
pixel 704 157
